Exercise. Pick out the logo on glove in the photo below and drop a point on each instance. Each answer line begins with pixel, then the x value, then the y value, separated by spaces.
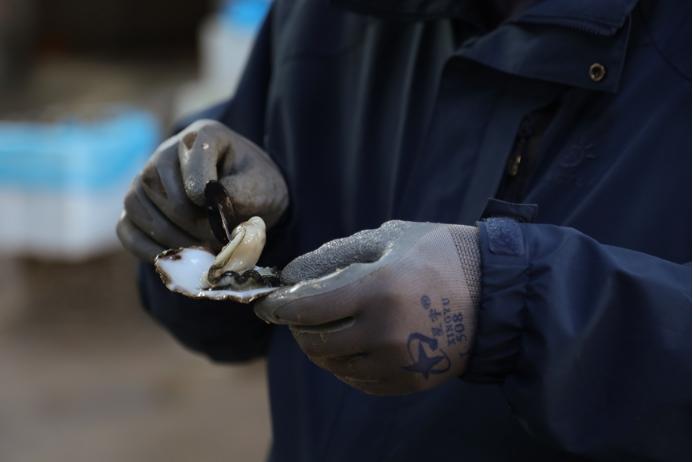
pixel 425 356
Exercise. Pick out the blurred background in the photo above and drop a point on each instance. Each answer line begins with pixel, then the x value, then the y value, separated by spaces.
pixel 87 91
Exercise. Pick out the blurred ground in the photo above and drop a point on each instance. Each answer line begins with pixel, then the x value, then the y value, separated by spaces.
pixel 85 375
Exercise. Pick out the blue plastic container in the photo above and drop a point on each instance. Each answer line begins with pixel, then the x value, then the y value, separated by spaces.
pixel 76 155
pixel 62 184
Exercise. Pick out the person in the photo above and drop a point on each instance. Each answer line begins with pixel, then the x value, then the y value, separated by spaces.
pixel 551 322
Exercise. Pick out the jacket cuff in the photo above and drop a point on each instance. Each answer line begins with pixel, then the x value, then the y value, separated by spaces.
pixel 500 319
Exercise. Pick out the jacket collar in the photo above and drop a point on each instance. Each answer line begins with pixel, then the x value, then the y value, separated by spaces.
pixel 575 36
pixel 562 55
pixel 601 17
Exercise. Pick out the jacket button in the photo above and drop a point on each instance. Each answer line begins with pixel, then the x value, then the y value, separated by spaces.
pixel 597 72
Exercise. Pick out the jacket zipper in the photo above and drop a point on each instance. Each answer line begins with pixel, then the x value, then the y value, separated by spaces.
pixel 520 149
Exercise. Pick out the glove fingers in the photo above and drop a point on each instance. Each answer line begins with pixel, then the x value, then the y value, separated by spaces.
pixel 363 247
pixel 344 352
pixel 245 151
pixel 136 241
pixel 144 214
pixel 317 302
pixel 200 150
pixel 337 339
pixel 377 372
pixel 359 371
pixel 163 184
pixel 255 192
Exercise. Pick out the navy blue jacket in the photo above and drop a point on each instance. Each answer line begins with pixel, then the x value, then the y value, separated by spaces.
pixel 422 110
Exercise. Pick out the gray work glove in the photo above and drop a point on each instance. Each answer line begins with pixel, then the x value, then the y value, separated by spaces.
pixel 165 207
pixel 388 311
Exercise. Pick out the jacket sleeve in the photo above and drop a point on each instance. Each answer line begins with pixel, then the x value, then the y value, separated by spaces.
pixel 591 343
pixel 221 330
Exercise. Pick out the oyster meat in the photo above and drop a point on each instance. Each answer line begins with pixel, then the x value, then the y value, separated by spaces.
pixel 231 275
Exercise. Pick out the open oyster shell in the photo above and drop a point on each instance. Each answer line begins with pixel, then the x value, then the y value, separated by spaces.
pixel 232 275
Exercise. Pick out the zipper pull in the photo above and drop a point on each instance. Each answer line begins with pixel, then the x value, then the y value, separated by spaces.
pixel 514 165
pixel 523 136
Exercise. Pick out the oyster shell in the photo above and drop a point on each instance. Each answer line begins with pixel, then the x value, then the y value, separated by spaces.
pixel 231 275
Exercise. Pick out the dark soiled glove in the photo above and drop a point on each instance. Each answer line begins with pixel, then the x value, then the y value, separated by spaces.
pixel 388 311
pixel 165 207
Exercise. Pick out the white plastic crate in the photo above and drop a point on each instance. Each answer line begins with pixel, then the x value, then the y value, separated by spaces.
pixel 62 184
